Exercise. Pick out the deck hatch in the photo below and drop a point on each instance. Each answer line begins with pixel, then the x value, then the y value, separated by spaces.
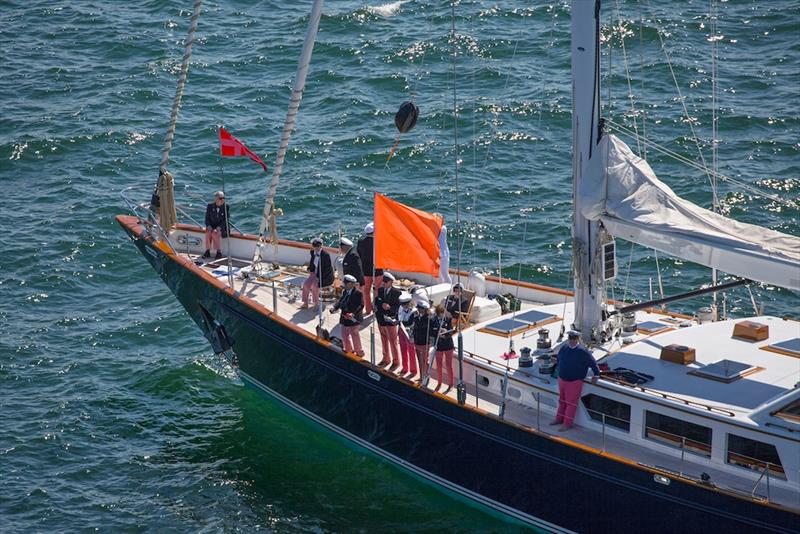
pixel 789 347
pixel 520 322
pixel 725 371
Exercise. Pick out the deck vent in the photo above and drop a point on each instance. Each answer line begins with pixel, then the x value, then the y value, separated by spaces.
pixel 680 354
pixel 725 371
pixel 750 331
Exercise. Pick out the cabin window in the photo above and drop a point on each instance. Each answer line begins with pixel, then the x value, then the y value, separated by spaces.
pixel 618 414
pixel 677 433
pixel 483 381
pixel 790 412
pixel 514 393
pixel 755 455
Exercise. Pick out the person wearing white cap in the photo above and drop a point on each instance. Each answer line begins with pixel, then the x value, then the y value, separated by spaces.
pixel 351 262
pixel 574 361
pixel 320 272
pixel 405 323
pixel 366 252
pixel 387 301
pixel 217 214
pixel 351 305
pixel 422 334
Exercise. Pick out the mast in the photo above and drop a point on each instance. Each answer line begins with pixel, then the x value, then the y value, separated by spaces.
pixel 268 215
pixel 586 257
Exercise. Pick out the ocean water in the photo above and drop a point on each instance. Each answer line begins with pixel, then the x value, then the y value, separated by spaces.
pixel 114 413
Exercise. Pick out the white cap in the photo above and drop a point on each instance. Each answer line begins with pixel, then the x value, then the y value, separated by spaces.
pixel 219 194
pixel 345 241
pixel 423 304
pixel 350 278
pixel 573 334
pixel 388 276
pixel 369 228
pixel 405 297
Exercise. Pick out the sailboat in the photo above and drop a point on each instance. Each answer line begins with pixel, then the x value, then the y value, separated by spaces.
pixel 694 426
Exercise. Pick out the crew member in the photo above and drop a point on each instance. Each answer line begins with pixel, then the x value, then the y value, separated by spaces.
pixel 320 273
pixel 442 327
pixel 574 360
pixel 455 304
pixel 366 251
pixel 351 261
pixel 386 303
pixel 422 333
pixel 217 215
pixel 405 325
pixel 351 305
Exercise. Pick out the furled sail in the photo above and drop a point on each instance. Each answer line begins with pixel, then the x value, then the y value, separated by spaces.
pixel 635 205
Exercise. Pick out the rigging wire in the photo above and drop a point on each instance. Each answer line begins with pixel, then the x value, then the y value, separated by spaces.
pixel 627 74
pixel 680 93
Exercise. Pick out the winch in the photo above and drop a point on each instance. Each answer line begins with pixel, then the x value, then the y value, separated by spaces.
pixel 525 359
pixel 544 339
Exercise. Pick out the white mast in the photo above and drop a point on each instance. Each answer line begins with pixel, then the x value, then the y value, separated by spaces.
pixel 268 215
pixel 587 261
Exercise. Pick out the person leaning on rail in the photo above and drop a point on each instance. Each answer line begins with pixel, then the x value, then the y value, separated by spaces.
pixel 217 216
pixel 574 361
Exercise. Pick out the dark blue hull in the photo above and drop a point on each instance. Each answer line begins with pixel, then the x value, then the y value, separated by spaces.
pixel 532 477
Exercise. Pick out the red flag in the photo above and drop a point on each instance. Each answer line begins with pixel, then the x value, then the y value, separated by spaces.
pixel 231 147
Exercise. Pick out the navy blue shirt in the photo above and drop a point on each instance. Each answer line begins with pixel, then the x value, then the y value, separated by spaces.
pixel 573 363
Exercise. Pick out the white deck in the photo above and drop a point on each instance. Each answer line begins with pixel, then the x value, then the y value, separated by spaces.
pixel 533 397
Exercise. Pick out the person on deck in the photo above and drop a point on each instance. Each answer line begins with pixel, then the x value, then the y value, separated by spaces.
pixel 387 302
pixel 455 304
pixel 442 328
pixel 217 215
pixel 320 273
pixel 422 333
pixel 351 262
pixel 405 324
pixel 351 305
pixel 574 361
pixel 366 252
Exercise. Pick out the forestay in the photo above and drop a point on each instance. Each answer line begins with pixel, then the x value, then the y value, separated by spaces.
pixel 635 205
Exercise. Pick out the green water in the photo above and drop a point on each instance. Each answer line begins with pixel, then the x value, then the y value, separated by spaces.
pixel 115 414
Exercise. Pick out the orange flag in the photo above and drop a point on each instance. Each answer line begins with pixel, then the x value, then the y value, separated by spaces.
pixel 406 239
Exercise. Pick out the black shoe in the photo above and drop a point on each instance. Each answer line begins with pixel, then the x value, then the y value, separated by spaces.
pixel 207 254
pixel 218 256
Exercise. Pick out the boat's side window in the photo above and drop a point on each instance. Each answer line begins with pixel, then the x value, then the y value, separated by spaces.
pixel 790 412
pixel 755 455
pixel 677 433
pixel 617 414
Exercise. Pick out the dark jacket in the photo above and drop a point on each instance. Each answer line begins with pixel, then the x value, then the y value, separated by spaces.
pixel 217 217
pixel 351 305
pixel 390 296
pixel 326 267
pixel 351 264
pixel 423 328
pixel 366 251
pixel 453 306
pixel 439 327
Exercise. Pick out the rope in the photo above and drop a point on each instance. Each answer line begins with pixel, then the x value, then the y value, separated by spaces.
pixel 176 103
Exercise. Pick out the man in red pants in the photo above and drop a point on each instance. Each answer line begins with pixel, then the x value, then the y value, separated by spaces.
pixel 574 361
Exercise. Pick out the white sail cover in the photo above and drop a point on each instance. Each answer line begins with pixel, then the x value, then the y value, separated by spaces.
pixel 635 205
